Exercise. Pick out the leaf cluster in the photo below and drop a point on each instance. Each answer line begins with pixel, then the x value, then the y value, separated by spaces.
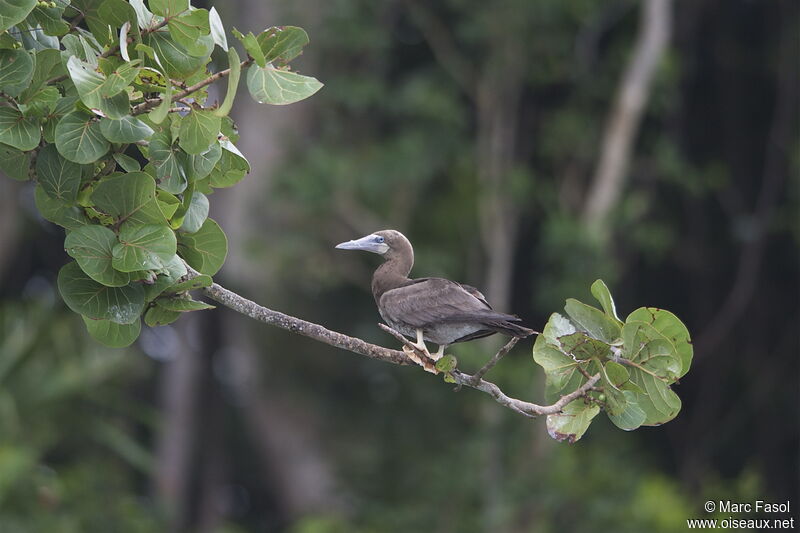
pixel 103 104
pixel 637 360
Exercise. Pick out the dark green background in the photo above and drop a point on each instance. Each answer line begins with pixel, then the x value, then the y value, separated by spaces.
pixel 219 424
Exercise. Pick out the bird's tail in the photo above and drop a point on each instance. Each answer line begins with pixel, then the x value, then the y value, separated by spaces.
pixel 494 321
pixel 507 327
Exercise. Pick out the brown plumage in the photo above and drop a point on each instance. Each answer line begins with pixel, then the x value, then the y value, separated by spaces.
pixel 431 309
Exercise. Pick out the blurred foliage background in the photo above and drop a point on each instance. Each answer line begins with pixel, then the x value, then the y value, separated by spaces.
pixel 476 129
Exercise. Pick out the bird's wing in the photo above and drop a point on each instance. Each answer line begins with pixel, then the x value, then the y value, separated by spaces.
pixel 476 293
pixel 436 300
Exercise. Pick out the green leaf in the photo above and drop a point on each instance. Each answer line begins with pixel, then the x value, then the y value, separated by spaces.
pixel 16 71
pixel 231 167
pixel 41 102
pixel 111 334
pixel 35 39
pixel 197 213
pixel 671 327
pixel 63 106
pixel 169 171
pixel 58 212
pixel 13 12
pixel 190 284
pixel 631 417
pixel 593 321
pixel 125 130
pixel 18 131
pixel 119 79
pixel 168 203
pixel 129 197
pixel 169 8
pixel 613 377
pixel 561 370
pixel 233 83
pixel 15 163
pixel 143 247
pixel 187 29
pixel 204 250
pixel 447 363
pixel 251 46
pixel 174 58
pixel 88 81
pixel 59 178
pixel 572 422
pixel 127 163
pixel 198 130
pixel 182 305
pixel 115 13
pixel 78 138
pixel 648 347
pixel 158 316
pixel 616 373
pixel 279 87
pixel 50 20
pixel 581 346
pixel 282 43
pixel 174 270
pixel 91 246
pixel 659 403
pixel 48 65
pixel 85 296
pixel 116 107
pixel 603 295
pixel 201 165
pixel 217 29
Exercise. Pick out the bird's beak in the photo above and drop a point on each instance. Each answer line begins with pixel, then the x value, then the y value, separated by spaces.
pixel 370 243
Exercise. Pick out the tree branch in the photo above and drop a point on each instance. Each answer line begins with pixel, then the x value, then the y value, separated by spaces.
pixel 319 333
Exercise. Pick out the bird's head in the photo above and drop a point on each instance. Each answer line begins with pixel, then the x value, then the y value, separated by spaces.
pixel 388 243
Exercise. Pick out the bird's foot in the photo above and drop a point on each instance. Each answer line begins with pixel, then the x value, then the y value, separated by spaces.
pixel 439 353
pixel 426 361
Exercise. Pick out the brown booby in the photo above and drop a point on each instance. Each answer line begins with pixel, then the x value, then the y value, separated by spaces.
pixel 429 309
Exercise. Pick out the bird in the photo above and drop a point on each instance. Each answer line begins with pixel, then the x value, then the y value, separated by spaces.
pixel 435 310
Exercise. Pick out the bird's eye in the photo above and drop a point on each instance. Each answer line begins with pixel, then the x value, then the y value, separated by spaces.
pixel 380 239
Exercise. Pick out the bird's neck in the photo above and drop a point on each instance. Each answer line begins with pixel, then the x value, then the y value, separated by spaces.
pixel 390 275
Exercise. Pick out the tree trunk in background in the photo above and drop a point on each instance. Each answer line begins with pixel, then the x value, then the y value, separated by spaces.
pixel 626 115
pixel 9 220
pixel 497 107
pixel 175 447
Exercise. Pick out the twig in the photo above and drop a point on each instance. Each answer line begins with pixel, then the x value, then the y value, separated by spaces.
pixel 77 20
pixel 520 406
pixel 477 376
pixel 263 314
pixel 147 105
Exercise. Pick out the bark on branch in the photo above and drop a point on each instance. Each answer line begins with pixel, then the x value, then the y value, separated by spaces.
pixel 319 333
